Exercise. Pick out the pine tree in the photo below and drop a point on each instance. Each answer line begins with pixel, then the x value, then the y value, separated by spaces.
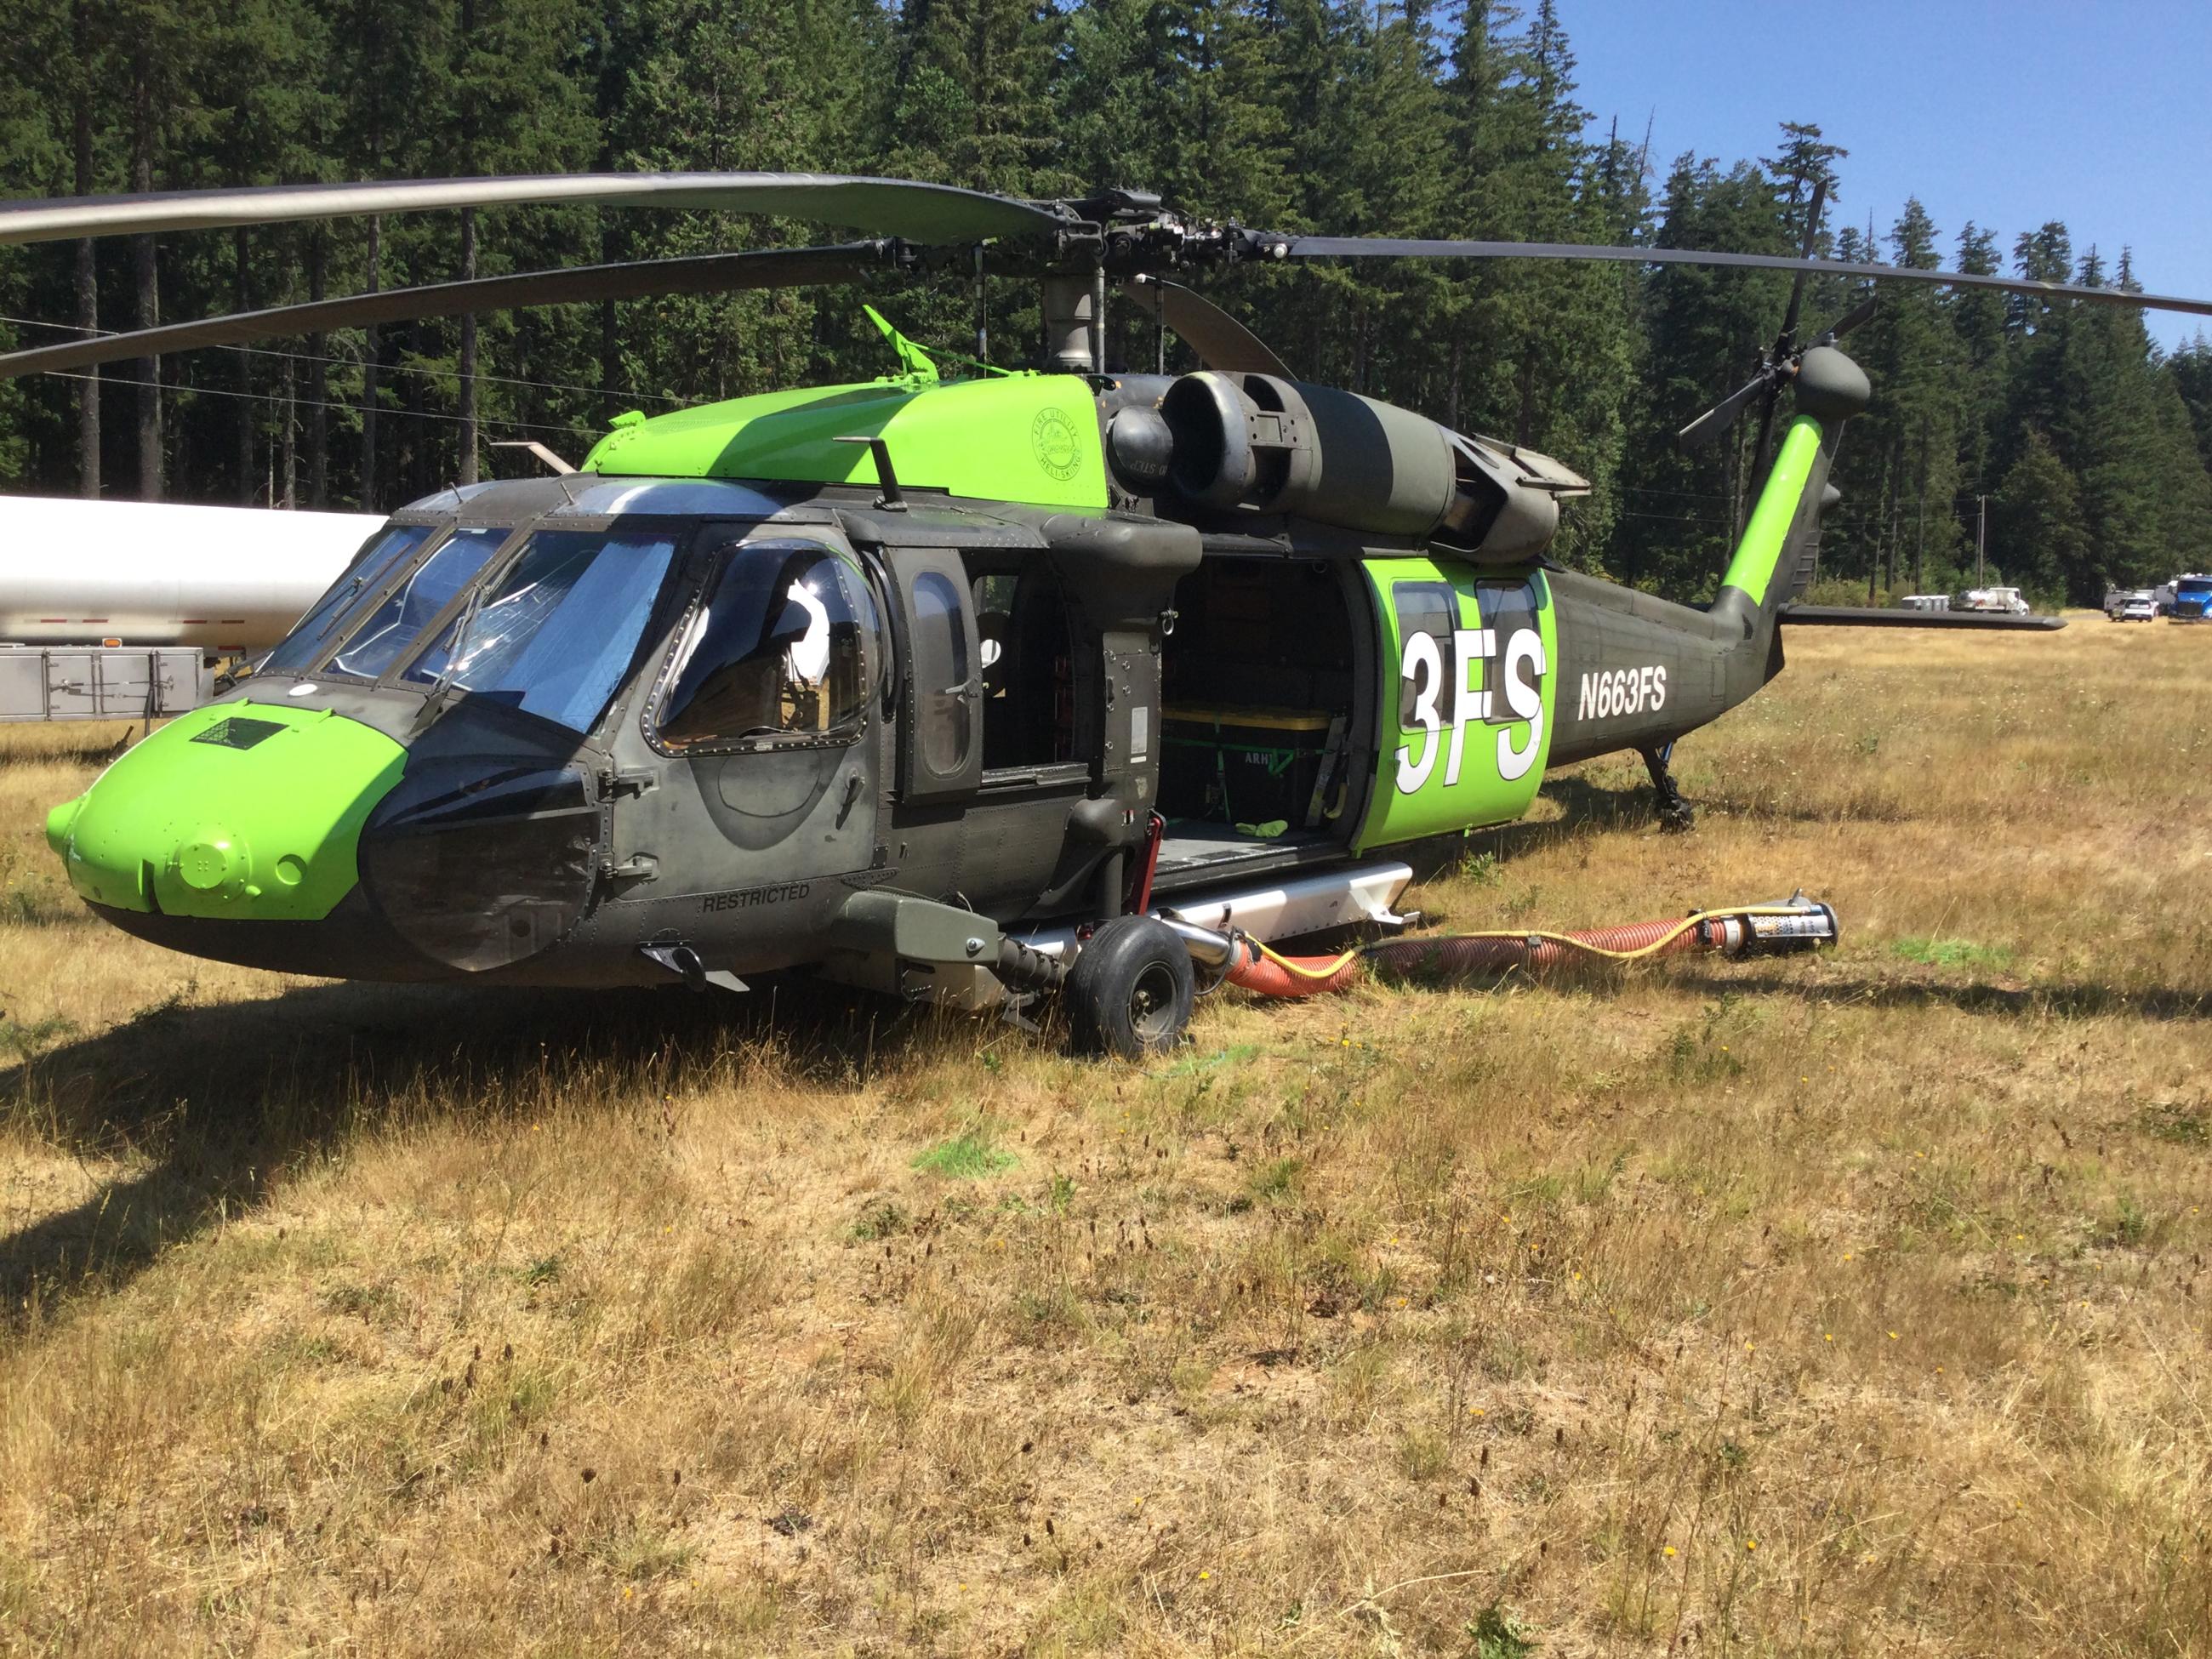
pixel 970 95
pixel 1978 319
pixel 1521 169
pixel 764 86
pixel 1383 117
pixel 2038 537
pixel 166 48
pixel 265 113
pixel 2190 371
pixel 383 60
pixel 1389 177
pixel 506 100
pixel 1902 459
pixel 2106 429
pixel 1237 121
pixel 1123 86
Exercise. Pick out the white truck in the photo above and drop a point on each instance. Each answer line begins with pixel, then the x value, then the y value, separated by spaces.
pixel 2001 599
pixel 118 610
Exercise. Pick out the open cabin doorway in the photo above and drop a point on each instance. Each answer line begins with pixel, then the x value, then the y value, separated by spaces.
pixel 1265 733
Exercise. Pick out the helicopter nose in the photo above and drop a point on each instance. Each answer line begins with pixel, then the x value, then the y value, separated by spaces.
pixel 240 811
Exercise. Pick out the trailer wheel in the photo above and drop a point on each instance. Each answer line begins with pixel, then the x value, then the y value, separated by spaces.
pixel 1130 992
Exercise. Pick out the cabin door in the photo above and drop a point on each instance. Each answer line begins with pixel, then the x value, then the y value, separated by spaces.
pixel 941 656
pixel 1467 689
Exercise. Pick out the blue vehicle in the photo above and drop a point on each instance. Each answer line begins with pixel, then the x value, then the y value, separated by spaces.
pixel 2192 598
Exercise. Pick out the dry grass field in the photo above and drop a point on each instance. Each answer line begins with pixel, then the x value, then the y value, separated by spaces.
pixel 1847 1305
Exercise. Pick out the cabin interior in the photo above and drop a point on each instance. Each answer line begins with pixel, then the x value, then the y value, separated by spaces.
pixel 1258 704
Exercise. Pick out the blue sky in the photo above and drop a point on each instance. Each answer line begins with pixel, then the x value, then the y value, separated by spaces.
pixel 2097 112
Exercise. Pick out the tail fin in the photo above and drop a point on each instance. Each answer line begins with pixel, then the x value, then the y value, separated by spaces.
pixel 1775 561
pixel 1780 550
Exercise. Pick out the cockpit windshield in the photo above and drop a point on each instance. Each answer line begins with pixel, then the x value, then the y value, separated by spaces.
pixel 379 640
pixel 779 644
pixel 383 554
pixel 555 634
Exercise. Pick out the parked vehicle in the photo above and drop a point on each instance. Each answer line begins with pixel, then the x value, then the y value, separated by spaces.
pixel 2002 600
pixel 2192 599
pixel 2139 607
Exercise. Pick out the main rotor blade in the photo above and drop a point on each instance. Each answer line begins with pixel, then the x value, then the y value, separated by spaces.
pixel 882 207
pixel 706 273
pixel 1851 616
pixel 1220 341
pixel 1359 247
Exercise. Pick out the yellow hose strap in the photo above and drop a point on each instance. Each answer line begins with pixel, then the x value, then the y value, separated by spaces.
pixel 1290 967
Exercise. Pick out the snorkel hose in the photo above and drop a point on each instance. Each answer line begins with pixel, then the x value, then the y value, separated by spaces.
pixel 1796 924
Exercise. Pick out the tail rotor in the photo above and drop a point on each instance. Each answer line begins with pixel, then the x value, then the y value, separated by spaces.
pixel 1778 367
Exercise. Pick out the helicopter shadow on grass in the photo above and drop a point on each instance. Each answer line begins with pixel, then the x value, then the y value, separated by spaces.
pixel 1586 809
pixel 1589 810
pixel 2064 1001
pixel 209 1103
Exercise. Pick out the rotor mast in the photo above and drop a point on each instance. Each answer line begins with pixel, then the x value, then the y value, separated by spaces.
pixel 1075 321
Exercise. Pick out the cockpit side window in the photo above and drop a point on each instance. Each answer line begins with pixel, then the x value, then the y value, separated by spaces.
pixel 383 554
pixel 779 650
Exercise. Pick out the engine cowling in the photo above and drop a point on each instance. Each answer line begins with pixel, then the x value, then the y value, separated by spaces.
pixel 1256 444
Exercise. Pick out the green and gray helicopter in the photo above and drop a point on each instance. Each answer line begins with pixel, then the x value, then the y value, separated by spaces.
pixel 932 685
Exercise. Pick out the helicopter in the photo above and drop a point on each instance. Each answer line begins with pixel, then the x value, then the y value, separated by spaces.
pixel 977 688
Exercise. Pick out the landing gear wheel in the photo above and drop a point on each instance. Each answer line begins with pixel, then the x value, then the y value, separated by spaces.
pixel 1130 992
pixel 1676 815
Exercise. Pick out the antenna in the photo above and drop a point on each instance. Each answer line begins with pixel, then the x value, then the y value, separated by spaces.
pixel 552 461
pixel 887 483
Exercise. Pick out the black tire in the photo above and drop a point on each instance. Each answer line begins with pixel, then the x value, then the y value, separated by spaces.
pixel 1131 991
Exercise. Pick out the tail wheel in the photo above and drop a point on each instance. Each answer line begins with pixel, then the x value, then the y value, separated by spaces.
pixel 1130 992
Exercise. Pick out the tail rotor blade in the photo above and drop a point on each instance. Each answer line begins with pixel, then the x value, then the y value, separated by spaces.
pixel 1786 344
pixel 1797 288
pixel 1723 414
pixel 1850 320
pixel 1765 433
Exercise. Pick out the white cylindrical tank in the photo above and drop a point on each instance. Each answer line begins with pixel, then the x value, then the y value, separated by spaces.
pixel 229 580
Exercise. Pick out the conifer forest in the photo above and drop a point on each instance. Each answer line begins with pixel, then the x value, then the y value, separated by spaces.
pixel 2083 443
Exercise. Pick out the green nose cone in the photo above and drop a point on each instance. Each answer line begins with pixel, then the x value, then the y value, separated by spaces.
pixel 240 811
pixel 58 824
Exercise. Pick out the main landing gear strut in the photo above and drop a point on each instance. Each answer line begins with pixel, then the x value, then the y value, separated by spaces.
pixel 1675 814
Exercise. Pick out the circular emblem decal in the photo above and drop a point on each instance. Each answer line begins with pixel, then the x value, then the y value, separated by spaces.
pixel 1052 440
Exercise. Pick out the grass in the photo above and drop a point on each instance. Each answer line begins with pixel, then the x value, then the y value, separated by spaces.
pixel 1953 953
pixel 1848 1304
pixel 969 1156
